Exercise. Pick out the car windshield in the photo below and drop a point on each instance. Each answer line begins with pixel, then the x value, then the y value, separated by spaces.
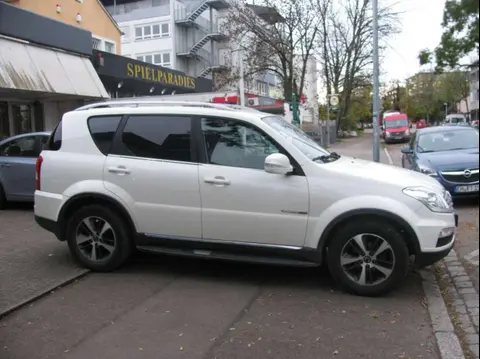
pixel 396 123
pixel 448 141
pixel 300 139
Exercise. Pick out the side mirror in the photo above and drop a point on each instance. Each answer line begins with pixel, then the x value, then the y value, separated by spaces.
pixel 278 164
pixel 406 150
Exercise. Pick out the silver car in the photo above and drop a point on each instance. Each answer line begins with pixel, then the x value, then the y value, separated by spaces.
pixel 18 156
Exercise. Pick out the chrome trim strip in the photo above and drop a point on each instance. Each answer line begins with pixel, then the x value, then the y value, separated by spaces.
pixel 152 159
pixel 460 173
pixel 216 241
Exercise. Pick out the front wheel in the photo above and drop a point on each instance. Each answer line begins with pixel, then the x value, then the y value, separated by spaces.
pixel 368 258
pixel 98 238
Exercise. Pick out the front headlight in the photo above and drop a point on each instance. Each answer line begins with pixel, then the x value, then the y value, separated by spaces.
pixel 434 200
pixel 426 170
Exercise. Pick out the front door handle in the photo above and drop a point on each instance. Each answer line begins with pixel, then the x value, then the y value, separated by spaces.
pixel 217 180
pixel 120 170
pixel 6 165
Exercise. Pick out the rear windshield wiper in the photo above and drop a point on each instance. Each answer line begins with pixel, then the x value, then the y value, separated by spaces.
pixel 327 158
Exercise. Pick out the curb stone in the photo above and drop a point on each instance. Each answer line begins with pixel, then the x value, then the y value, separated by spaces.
pixel 465 301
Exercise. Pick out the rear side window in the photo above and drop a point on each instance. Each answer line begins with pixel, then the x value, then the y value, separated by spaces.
pixel 55 140
pixel 157 136
pixel 103 131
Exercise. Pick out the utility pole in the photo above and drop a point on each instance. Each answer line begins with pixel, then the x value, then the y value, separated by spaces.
pixel 376 85
pixel 295 111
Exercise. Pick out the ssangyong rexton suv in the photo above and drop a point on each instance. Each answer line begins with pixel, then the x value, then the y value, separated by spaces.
pixel 216 182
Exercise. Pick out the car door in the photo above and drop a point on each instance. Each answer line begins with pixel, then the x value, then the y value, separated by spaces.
pixel 153 169
pixel 17 167
pixel 240 201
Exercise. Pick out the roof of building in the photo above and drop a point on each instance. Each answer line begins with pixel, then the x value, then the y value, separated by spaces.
pixel 100 2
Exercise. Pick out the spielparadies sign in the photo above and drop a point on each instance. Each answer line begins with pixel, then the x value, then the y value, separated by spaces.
pixel 149 73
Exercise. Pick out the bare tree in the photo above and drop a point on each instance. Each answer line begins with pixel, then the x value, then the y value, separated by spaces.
pixel 280 43
pixel 345 46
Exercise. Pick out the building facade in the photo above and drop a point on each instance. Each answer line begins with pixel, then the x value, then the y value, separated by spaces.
pixel 45 70
pixel 184 35
pixel 88 15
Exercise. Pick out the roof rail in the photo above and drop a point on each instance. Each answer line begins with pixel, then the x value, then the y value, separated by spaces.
pixel 139 103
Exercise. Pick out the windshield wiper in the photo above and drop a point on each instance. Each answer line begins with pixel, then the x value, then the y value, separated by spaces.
pixel 327 158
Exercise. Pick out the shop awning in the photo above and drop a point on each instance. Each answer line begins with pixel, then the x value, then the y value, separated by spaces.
pixel 25 67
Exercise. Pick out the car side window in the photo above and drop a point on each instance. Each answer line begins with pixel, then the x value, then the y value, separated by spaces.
pixel 103 131
pixel 235 144
pixel 22 147
pixel 164 137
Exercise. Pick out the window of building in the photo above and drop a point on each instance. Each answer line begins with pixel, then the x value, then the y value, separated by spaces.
pixel 96 43
pixel 261 88
pixel 160 59
pixel 159 137
pixel 110 47
pixel 236 144
pixel 4 121
pixel 152 31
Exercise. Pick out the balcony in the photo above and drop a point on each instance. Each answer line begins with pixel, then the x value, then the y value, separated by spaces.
pixel 190 16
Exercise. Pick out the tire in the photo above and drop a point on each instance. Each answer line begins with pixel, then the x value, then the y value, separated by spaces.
pixel 121 242
pixel 376 230
pixel 3 199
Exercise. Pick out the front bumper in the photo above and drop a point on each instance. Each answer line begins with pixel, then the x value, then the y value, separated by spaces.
pixel 450 187
pixel 397 139
pixel 443 247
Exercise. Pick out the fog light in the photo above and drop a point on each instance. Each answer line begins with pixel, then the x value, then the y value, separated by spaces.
pixel 446 232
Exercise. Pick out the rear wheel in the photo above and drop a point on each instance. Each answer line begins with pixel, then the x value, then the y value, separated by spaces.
pixel 98 238
pixel 3 199
pixel 368 258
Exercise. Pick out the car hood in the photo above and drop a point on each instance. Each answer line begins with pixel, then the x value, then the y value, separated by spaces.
pixel 378 172
pixel 454 159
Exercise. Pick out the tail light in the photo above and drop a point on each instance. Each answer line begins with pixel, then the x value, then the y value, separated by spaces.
pixel 38 170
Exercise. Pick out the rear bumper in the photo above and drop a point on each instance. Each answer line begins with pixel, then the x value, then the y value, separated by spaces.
pixel 48 225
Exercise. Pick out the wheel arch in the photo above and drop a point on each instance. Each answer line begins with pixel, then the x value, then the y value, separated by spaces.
pixel 396 221
pixel 85 199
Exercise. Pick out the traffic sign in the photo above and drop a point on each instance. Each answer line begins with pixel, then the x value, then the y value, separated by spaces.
pixel 334 100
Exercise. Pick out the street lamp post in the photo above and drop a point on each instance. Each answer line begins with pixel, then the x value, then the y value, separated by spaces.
pixel 241 83
pixel 376 84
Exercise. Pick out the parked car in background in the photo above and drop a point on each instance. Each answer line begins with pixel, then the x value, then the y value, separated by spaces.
pixel 420 124
pixel 456 119
pixel 448 154
pixel 396 128
pixel 18 155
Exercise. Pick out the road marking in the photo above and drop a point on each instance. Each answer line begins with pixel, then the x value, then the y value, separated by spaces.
pixel 389 156
pixel 469 257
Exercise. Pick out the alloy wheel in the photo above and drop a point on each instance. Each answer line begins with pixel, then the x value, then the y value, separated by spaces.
pixel 367 259
pixel 95 239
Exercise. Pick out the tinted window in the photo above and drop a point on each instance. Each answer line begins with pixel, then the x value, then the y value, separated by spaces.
pixel 103 131
pixel 22 147
pixel 160 137
pixel 55 140
pixel 235 144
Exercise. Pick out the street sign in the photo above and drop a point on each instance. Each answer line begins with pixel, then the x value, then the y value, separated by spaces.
pixel 334 100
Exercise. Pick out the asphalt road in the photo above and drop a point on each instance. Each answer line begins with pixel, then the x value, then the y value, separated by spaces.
pixel 162 307
pixel 467 238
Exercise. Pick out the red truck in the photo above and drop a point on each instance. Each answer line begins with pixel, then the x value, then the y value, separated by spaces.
pixel 395 127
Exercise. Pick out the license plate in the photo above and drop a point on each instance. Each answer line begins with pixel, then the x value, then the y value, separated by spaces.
pixel 467 189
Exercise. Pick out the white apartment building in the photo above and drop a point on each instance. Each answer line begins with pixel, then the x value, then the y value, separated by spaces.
pixel 184 35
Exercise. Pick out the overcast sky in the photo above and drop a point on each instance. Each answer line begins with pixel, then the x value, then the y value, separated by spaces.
pixel 421 28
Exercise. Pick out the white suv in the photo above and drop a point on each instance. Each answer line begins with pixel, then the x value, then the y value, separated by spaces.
pixel 215 182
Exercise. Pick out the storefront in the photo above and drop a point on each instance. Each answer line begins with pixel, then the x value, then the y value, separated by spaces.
pixel 125 77
pixel 45 70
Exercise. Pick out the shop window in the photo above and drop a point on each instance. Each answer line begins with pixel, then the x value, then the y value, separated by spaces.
pixel 22 118
pixel 4 121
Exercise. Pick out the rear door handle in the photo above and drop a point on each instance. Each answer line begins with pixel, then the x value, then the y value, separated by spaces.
pixel 217 180
pixel 120 170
